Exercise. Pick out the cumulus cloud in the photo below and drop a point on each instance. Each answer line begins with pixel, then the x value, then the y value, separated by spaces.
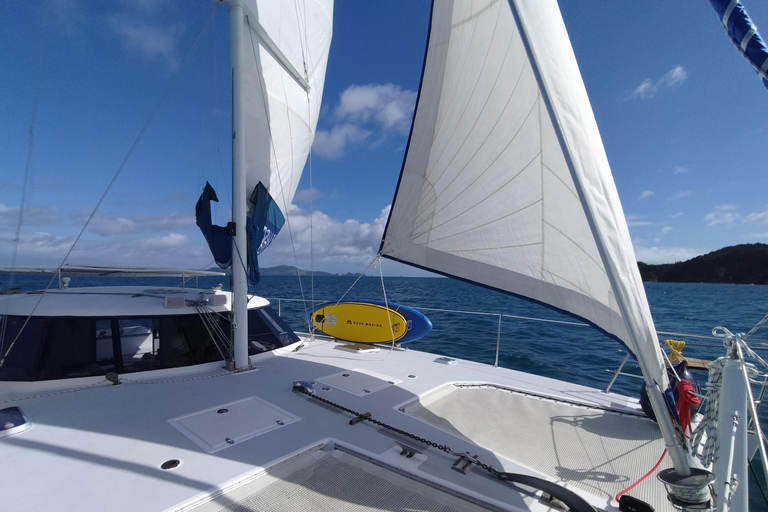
pixel 40 248
pixel 646 194
pixel 33 215
pixel 387 104
pixel 650 88
pixel 106 226
pixel 337 246
pixel 331 144
pixel 366 112
pixel 163 243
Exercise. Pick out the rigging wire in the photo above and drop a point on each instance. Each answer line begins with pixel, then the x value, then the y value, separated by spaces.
pixel 25 192
pixel 140 136
pixel 274 156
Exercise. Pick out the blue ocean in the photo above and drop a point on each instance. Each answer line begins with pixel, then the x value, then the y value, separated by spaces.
pixel 467 321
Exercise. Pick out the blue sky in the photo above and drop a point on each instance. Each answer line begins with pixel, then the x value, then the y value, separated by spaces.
pixel 683 117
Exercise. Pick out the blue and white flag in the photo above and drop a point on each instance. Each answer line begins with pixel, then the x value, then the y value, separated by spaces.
pixel 744 35
pixel 262 227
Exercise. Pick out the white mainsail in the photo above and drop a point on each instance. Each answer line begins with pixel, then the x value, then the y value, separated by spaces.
pixel 285 50
pixel 506 182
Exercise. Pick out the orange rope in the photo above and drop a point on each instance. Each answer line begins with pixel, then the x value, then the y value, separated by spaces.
pixel 643 478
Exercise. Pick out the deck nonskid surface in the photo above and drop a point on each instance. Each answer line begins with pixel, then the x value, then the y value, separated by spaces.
pixel 102 440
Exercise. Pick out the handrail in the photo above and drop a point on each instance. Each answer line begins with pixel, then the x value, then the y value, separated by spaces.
pixel 501 316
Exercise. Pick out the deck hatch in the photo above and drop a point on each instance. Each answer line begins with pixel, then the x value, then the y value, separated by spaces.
pixel 225 425
pixel 358 382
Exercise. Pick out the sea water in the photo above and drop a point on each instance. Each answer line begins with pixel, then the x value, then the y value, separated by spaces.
pixel 469 322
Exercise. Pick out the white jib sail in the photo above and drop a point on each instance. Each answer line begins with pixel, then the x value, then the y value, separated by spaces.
pixel 506 182
pixel 285 51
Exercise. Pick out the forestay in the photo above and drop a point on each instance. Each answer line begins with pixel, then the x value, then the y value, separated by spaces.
pixel 506 182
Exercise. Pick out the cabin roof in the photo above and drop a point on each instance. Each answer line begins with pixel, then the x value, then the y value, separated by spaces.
pixel 122 301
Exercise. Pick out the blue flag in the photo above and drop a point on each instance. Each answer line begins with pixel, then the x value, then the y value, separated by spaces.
pixel 744 35
pixel 217 237
pixel 262 227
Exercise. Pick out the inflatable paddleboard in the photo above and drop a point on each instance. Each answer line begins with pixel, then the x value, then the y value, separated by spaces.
pixel 369 321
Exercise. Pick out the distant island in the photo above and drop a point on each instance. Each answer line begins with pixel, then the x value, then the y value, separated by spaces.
pixel 739 264
pixel 287 270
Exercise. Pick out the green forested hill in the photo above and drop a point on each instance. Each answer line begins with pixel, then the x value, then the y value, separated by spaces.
pixel 739 264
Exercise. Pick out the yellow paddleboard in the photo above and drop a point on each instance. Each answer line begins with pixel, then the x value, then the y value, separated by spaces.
pixel 362 322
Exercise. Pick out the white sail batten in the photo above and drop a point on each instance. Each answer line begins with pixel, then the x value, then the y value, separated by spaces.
pixel 506 182
pixel 281 109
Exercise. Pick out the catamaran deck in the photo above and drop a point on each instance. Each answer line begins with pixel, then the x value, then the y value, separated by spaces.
pixel 109 442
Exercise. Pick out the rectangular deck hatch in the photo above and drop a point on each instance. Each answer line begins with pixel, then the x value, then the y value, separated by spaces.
pixel 228 424
pixel 359 382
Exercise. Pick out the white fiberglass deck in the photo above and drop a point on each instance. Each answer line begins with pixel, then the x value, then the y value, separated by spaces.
pixel 94 444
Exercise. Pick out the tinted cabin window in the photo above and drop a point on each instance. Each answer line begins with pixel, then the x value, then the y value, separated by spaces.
pixel 138 344
pixel 22 360
pixel 70 350
pixel 59 348
pixel 267 331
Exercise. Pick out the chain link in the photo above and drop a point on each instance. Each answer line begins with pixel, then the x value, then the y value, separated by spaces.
pixel 367 417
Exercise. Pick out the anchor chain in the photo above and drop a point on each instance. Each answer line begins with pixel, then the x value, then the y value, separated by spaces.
pixel 551 492
pixel 306 390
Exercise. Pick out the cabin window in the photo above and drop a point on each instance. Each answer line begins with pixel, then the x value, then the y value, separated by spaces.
pixel 267 331
pixel 59 348
pixel 138 344
pixel 71 350
pixel 23 358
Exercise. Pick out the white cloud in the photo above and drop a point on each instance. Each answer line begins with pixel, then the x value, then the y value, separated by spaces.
pixel 656 255
pixel 306 195
pixel 723 214
pixel 649 88
pixel 366 113
pixel 337 246
pixel 721 217
pixel 680 195
pixel 163 243
pixel 679 169
pixel 666 229
pixel 153 40
pixel 758 218
pixel 331 144
pixel 107 226
pixel 387 104
pixel 634 221
pixel 646 194
pixel 33 215
pixel 173 250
